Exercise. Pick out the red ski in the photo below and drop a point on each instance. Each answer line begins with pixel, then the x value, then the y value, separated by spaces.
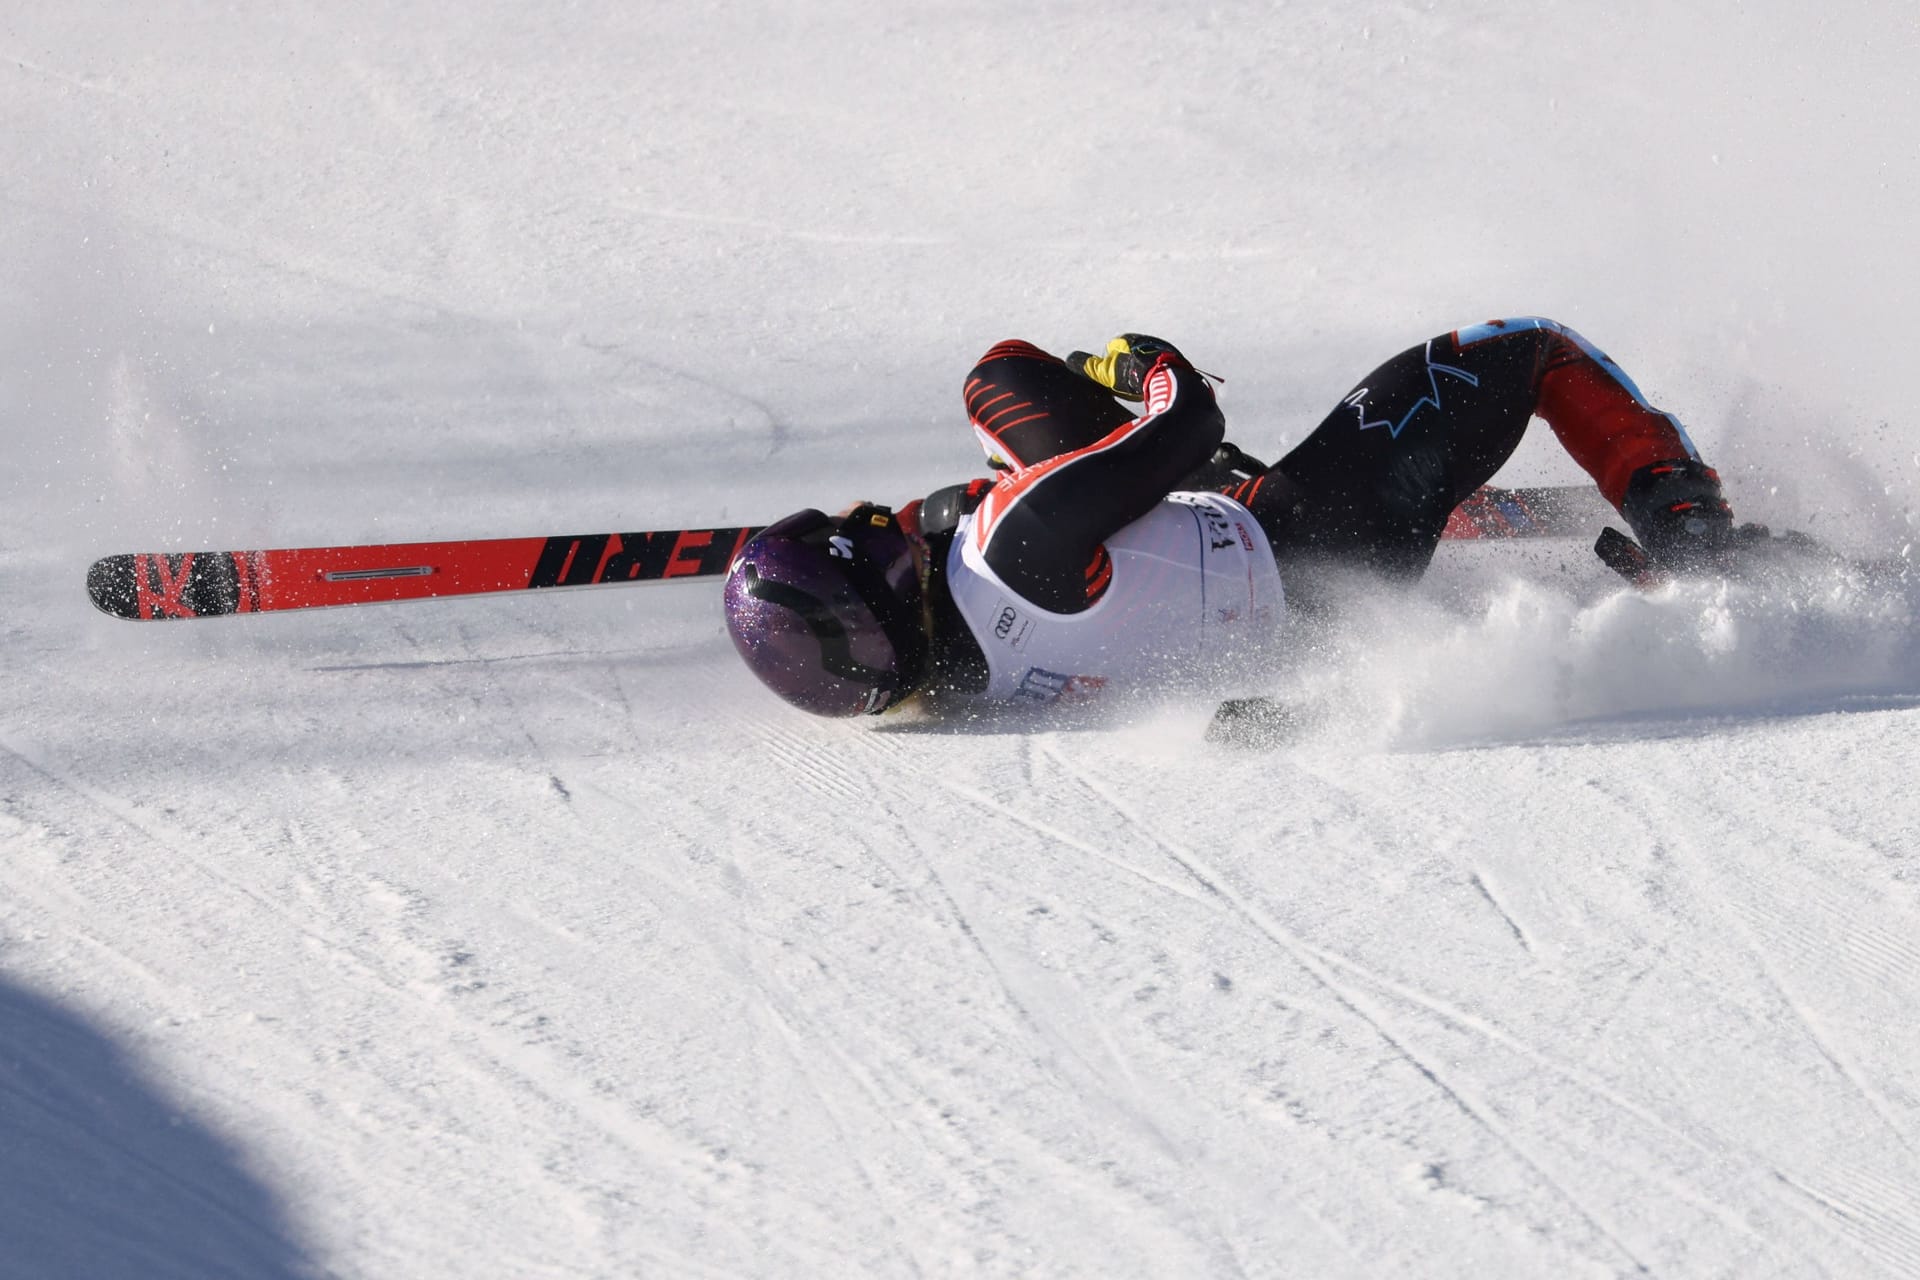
pixel 201 584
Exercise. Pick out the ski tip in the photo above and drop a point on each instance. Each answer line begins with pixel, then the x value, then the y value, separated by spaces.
pixel 143 587
pixel 112 587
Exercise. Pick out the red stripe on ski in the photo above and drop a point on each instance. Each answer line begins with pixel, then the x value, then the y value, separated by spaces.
pixel 206 584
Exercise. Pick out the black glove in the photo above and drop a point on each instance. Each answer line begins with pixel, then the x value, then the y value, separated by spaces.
pixel 1128 360
pixel 1679 515
pixel 1229 466
pixel 941 510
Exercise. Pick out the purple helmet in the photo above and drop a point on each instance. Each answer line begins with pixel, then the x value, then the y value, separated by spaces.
pixel 827 611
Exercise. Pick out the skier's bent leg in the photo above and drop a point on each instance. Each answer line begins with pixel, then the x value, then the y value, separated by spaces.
pixel 1599 415
pixel 1372 486
pixel 1026 406
pixel 1640 457
pixel 1374 483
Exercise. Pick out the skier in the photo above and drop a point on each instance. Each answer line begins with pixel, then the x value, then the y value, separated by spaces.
pixel 1116 552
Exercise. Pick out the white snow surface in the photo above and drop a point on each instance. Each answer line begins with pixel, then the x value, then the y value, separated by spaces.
pixel 529 937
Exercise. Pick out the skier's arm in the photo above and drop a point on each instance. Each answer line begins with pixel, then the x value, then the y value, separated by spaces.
pixel 1041 529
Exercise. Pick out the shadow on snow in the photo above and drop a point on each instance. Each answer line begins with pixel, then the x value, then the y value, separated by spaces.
pixel 100 1175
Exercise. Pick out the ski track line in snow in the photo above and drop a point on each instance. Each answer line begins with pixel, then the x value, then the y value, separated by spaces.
pixel 1063 1047
pixel 1758 1171
pixel 779 430
pixel 782 1009
pixel 1735 909
pixel 1137 1112
pixel 882 1194
pixel 527 1072
pixel 1756 1163
pixel 1366 805
pixel 1823 1041
pixel 881 781
pixel 1481 887
pixel 128 815
pixel 1881 958
pixel 1479 1112
pixel 1867 1226
pixel 827 772
pixel 1892 1235
pixel 523 1067
pixel 824 772
pixel 502 696
pixel 561 656
pixel 1057 836
pixel 778 1003
pixel 818 769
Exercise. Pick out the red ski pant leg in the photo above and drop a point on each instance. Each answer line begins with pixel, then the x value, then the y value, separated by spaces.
pixel 1601 418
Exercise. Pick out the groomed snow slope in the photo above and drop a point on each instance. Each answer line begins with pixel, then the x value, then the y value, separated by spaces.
pixel 530 937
